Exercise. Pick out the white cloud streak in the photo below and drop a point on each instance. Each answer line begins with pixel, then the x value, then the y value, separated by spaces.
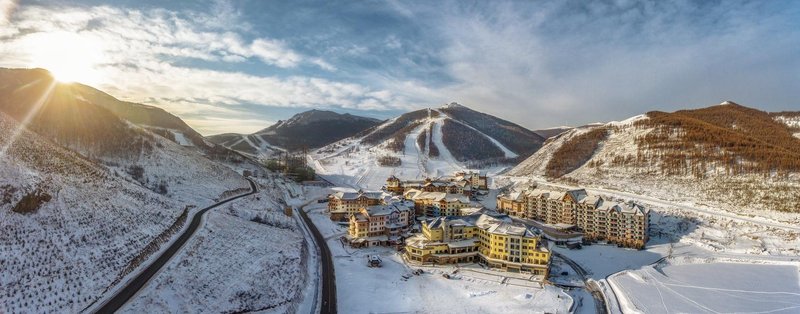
pixel 555 63
pixel 141 50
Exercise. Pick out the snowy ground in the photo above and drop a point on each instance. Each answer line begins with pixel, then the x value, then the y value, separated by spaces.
pixel 379 290
pixel 599 261
pixel 709 287
pixel 63 256
pixel 741 250
pixel 692 280
pixel 248 256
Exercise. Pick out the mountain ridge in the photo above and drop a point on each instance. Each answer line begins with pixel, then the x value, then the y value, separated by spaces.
pixel 727 153
pixel 426 142
pixel 306 130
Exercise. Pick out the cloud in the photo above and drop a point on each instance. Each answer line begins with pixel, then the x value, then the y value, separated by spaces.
pixel 560 62
pixel 215 125
pixel 540 65
pixel 6 8
pixel 151 56
pixel 274 52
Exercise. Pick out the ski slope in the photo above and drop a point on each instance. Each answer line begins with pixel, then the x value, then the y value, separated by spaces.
pixel 354 164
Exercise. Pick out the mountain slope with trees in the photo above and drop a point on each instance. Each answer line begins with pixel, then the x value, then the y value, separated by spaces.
pixel 61 113
pixel 738 157
pixel 427 142
pixel 306 130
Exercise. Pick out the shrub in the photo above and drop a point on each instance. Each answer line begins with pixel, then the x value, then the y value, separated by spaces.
pixel 31 202
pixel 136 172
pixel 389 161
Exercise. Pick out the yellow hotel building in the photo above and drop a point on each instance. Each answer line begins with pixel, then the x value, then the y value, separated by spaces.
pixel 484 237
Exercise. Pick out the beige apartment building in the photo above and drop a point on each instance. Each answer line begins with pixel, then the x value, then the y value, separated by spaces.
pixel 623 223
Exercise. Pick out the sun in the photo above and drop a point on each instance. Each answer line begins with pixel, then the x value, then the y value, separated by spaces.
pixel 68 56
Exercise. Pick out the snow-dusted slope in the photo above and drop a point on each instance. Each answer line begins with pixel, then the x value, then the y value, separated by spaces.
pixel 61 256
pixel 619 163
pixel 421 143
pixel 248 256
pixel 78 117
pixel 790 119
pixel 310 129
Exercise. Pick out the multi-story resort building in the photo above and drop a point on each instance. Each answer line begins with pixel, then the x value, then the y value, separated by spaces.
pixel 435 204
pixel 485 237
pixel 380 225
pixel 465 183
pixel 343 204
pixel 625 224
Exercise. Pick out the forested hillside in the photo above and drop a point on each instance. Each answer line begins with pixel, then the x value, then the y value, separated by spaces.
pixel 730 138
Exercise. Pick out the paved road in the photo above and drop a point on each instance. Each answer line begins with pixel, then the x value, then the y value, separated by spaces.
pixel 599 301
pixel 123 295
pixel 328 275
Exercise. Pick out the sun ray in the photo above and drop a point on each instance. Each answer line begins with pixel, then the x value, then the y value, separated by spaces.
pixel 70 57
pixel 37 105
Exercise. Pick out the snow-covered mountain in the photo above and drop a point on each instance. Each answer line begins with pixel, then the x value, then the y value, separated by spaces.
pixel 78 117
pixel 70 227
pixel 550 132
pixel 310 129
pixel 736 157
pixel 427 142
pixel 88 191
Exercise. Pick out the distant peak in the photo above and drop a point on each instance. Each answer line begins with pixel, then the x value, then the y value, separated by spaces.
pixel 728 102
pixel 453 105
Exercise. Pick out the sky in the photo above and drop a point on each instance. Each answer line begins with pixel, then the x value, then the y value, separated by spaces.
pixel 239 66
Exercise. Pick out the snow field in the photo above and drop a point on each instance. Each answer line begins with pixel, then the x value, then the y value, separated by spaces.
pixel 64 255
pixel 710 287
pixel 248 256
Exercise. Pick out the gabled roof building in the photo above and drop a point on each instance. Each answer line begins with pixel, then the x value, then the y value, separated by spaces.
pixel 343 204
pixel 485 237
pixel 626 224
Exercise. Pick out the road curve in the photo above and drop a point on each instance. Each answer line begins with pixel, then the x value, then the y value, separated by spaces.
pixel 599 298
pixel 123 295
pixel 328 275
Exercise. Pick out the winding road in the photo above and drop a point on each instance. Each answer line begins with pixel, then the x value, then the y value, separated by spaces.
pixel 328 275
pixel 599 300
pixel 124 294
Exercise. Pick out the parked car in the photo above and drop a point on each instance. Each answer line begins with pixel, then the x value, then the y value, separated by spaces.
pixel 374 261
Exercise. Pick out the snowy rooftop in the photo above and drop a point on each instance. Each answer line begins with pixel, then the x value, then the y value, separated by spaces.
pixel 437 196
pixel 356 195
pixel 382 210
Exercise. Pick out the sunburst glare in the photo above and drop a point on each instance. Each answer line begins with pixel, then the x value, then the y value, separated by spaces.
pixel 69 57
pixel 36 106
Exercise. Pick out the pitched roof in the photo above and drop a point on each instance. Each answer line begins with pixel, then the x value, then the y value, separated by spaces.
pixel 578 195
pixel 356 195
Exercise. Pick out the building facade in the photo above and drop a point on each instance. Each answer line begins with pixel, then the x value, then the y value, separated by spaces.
pixel 622 223
pixel 343 204
pixel 483 237
pixel 465 183
pixel 435 204
pixel 380 225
